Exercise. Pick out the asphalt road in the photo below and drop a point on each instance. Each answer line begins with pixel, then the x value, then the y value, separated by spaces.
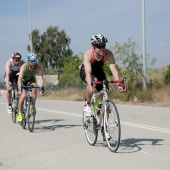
pixel 58 141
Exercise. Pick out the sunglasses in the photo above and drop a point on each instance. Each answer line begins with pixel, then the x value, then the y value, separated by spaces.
pixel 32 62
pixel 16 60
pixel 100 46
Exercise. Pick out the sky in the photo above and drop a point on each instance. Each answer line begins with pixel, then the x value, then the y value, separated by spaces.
pixel 118 20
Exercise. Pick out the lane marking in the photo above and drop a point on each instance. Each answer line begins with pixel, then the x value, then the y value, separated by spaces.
pixel 122 122
pixel 146 127
pixel 154 128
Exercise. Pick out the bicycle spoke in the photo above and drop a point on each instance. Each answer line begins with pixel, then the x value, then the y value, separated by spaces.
pixel 91 132
pixel 112 127
pixel 30 116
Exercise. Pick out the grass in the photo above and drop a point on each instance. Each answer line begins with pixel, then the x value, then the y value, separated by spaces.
pixel 152 97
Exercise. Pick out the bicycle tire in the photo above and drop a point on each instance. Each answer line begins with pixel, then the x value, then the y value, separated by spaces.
pixel 24 121
pixel 30 116
pixel 14 114
pixel 91 132
pixel 112 125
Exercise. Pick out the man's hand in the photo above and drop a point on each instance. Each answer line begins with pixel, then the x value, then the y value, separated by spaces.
pixel 20 91
pixel 42 91
pixel 121 88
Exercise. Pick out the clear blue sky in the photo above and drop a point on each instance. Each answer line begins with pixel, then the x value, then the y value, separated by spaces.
pixel 117 20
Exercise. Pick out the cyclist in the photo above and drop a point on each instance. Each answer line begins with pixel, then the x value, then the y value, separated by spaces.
pixel 27 76
pixel 92 67
pixel 12 69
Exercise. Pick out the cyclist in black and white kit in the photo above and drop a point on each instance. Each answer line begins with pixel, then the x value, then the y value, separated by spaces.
pixel 92 67
pixel 12 69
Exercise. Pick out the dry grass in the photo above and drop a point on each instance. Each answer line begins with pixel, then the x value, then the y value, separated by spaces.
pixel 161 97
pixel 71 94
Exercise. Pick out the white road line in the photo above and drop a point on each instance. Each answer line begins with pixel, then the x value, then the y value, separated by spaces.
pixel 146 127
pixel 154 128
pixel 122 122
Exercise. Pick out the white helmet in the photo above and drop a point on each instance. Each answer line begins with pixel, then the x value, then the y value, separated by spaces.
pixel 32 57
pixel 98 39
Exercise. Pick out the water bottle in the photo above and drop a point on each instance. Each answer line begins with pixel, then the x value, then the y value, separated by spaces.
pixel 96 104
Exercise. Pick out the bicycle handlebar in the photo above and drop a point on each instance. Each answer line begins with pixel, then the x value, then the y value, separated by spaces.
pixel 112 81
pixel 30 87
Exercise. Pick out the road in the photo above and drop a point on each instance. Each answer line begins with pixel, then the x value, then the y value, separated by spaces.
pixel 58 141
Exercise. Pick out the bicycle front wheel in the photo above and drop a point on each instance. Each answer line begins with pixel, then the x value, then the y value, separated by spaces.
pixel 112 128
pixel 91 132
pixel 14 110
pixel 31 115
pixel 24 121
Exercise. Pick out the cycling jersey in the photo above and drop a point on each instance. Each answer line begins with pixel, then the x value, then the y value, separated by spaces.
pixel 14 69
pixel 97 69
pixel 29 76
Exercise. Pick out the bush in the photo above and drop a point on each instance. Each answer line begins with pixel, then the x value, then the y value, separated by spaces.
pixel 167 76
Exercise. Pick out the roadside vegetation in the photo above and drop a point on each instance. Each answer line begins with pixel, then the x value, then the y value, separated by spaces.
pixel 56 57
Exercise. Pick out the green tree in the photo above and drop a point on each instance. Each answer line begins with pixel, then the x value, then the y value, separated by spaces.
pixel 167 76
pixel 70 71
pixel 130 63
pixel 51 47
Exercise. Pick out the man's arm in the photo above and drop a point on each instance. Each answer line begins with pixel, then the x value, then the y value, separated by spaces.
pixel 40 75
pixel 7 70
pixel 112 65
pixel 87 67
pixel 113 69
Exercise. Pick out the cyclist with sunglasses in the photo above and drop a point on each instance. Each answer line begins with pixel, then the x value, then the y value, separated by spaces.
pixel 27 76
pixel 92 67
pixel 12 69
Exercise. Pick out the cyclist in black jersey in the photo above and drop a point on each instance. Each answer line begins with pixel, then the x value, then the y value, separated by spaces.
pixel 92 67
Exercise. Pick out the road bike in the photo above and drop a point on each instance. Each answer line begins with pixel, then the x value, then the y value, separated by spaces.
pixel 15 98
pixel 104 118
pixel 29 110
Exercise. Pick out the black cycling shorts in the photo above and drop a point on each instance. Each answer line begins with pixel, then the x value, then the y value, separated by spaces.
pixel 98 74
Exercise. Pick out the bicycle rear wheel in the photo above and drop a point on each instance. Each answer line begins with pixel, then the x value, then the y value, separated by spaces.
pixel 91 132
pixel 112 126
pixel 30 116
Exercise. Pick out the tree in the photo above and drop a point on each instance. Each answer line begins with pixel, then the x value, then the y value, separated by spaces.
pixel 130 62
pixel 167 76
pixel 70 71
pixel 51 46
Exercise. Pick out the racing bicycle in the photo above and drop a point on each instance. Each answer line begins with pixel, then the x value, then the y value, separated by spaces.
pixel 29 110
pixel 104 118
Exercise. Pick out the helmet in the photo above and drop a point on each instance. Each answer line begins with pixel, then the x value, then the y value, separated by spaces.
pixel 16 55
pixel 32 57
pixel 98 39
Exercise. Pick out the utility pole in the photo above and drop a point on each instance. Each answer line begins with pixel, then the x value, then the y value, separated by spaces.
pixel 144 44
pixel 30 37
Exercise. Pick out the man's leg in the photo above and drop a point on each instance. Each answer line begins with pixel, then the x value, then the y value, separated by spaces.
pixel 20 105
pixel 9 97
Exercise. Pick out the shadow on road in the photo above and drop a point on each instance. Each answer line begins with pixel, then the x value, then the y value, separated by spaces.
pixel 135 145
pixel 50 125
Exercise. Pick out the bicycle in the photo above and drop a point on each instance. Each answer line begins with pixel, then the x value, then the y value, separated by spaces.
pixel 105 118
pixel 15 98
pixel 29 108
